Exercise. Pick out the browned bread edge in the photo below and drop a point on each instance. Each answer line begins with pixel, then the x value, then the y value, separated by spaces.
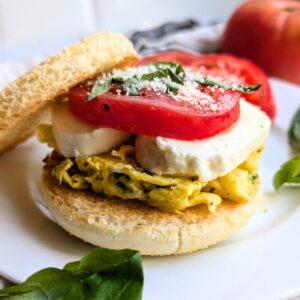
pixel 23 102
pixel 116 223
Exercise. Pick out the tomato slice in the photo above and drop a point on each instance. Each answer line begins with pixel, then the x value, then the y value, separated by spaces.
pixel 229 68
pixel 158 114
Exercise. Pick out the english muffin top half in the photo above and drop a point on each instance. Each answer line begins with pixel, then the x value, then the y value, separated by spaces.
pixel 24 103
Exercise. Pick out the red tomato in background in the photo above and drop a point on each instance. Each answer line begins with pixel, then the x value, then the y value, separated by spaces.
pixel 227 67
pixel 267 32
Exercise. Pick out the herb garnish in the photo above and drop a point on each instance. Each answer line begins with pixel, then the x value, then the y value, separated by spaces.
pixel 99 88
pixel 289 173
pixel 294 132
pixel 101 274
pixel 253 177
pixel 228 86
pixel 173 76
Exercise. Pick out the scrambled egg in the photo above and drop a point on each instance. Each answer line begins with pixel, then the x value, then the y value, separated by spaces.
pixel 117 174
pixel 45 135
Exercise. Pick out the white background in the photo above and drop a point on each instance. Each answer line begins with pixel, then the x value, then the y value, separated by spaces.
pixel 35 21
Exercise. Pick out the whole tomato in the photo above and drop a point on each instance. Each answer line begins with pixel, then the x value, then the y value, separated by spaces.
pixel 267 32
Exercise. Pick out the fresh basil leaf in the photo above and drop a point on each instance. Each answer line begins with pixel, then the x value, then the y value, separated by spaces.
pixel 294 132
pixel 288 173
pixel 156 74
pixel 34 295
pixel 180 71
pixel 228 86
pixel 171 89
pixel 101 274
pixel 117 80
pixel 247 89
pixel 162 73
pixel 164 69
pixel 164 65
pixel 130 86
pixel 180 75
pixel 175 77
pixel 99 89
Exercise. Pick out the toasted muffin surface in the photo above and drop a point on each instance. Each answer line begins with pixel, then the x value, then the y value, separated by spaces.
pixel 116 223
pixel 24 101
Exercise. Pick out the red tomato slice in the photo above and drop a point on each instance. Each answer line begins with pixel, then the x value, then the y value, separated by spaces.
pixel 229 68
pixel 156 115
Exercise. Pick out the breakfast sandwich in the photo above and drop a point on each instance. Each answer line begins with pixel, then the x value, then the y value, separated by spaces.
pixel 158 154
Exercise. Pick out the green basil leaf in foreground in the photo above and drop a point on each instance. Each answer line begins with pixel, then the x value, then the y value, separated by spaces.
pixel 102 274
pixel 294 132
pixel 289 172
pixel 99 89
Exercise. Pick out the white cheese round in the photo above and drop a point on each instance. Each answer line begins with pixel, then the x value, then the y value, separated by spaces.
pixel 208 158
pixel 75 137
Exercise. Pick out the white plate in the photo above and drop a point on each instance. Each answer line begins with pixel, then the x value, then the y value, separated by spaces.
pixel 261 261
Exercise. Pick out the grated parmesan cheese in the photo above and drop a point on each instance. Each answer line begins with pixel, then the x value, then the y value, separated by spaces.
pixel 189 92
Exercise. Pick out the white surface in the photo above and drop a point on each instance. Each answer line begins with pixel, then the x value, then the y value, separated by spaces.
pixel 123 15
pixel 34 21
pixel 259 262
pixel 204 158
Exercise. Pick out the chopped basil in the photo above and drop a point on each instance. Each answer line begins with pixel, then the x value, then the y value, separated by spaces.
pixel 228 86
pixel 253 177
pixel 160 74
pixel 130 86
pixel 174 74
pixel 171 89
pixel 99 89
pixel 101 274
pixel 178 69
pixel 164 64
pixel 294 132
pixel 289 173
pixel 247 89
pixel 117 80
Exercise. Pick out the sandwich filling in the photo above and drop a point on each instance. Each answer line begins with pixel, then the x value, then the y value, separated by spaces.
pixel 161 134
pixel 117 174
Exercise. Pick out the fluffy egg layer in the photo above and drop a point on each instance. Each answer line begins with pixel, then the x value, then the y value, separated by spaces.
pixel 117 174
pixel 169 174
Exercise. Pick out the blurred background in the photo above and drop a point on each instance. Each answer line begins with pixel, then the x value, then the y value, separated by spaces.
pixel 37 26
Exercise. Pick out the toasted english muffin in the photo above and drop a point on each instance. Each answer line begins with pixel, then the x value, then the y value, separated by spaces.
pixel 103 221
pixel 24 102
pixel 115 223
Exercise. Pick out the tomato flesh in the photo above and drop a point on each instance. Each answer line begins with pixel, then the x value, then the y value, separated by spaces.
pixel 158 114
pixel 155 115
pixel 228 68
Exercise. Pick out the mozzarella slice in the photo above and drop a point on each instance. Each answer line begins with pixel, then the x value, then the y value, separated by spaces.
pixel 75 137
pixel 208 158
